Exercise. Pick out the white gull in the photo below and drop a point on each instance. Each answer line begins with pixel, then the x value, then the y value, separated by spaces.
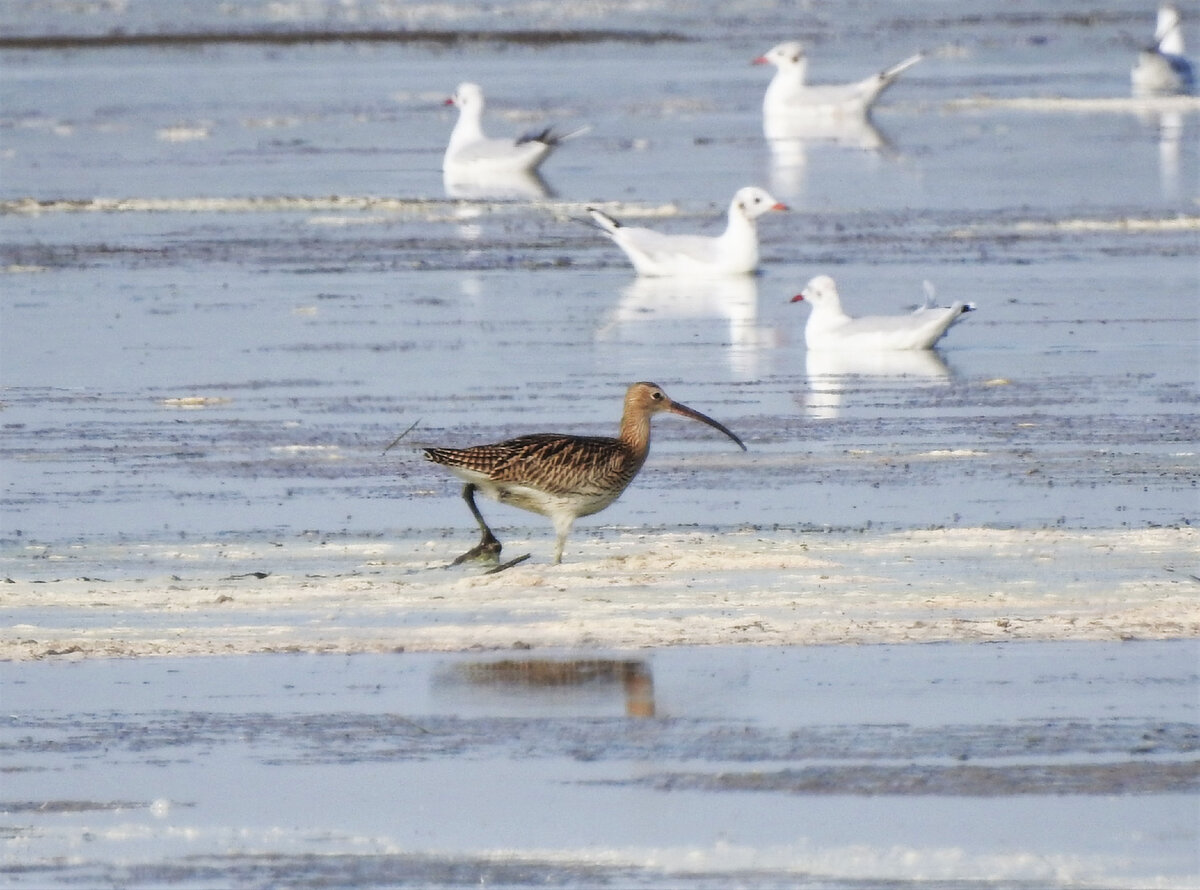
pixel 470 151
pixel 734 252
pixel 789 93
pixel 1162 69
pixel 829 327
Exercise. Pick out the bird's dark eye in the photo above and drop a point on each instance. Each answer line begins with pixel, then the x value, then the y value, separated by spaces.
pixel 657 396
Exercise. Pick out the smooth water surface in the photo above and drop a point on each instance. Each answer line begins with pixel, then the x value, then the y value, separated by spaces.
pixel 1009 766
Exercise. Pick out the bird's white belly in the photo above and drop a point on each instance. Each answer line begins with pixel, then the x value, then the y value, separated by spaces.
pixel 548 504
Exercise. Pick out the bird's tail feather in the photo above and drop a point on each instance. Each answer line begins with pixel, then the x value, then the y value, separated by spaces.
pixel 931 300
pixel 887 75
pixel 603 221
pixel 550 137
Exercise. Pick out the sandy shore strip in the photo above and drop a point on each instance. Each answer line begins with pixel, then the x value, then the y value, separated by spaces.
pixel 617 589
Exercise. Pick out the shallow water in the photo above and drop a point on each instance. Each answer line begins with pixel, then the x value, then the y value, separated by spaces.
pixel 677 768
pixel 231 350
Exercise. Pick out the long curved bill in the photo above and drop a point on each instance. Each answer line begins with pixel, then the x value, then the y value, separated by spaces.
pixel 685 411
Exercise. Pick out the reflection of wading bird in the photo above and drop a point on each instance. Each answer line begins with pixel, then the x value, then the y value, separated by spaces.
pixel 829 327
pixel 788 93
pixel 471 153
pixel 537 674
pixel 559 476
pixel 735 252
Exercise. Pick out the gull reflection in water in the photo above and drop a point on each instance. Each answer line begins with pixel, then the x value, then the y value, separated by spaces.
pixel 514 185
pixel 561 681
pixel 832 374
pixel 791 136
pixel 733 298
pixel 1169 127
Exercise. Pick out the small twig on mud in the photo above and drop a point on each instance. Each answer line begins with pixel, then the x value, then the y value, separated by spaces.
pixel 508 565
pixel 414 724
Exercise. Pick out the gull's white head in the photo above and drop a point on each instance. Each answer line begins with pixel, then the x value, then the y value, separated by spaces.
pixel 821 292
pixel 468 96
pixel 789 54
pixel 752 202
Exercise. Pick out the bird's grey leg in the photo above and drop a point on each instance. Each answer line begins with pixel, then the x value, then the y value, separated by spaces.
pixel 488 548
pixel 562 528
pixel 558 546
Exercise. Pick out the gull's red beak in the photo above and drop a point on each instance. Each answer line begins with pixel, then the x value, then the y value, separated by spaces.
pixel 779 205
pixel 761 60
pixel 449 101
pixel 797 298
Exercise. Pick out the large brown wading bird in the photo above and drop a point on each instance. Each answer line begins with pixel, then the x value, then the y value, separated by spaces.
pixel 560 476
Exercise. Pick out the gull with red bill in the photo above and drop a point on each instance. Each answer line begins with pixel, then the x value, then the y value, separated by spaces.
pixel 734 252
pixel 471 152
pixel 829 327
pixel 789 93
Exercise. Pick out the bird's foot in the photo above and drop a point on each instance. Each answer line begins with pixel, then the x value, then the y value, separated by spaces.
pixel 487 550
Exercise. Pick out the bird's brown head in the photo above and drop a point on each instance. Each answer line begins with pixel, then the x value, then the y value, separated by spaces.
pixel 647 399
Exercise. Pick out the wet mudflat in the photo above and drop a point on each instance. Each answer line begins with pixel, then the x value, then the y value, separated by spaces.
pixel 232 274
pixel 650 588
